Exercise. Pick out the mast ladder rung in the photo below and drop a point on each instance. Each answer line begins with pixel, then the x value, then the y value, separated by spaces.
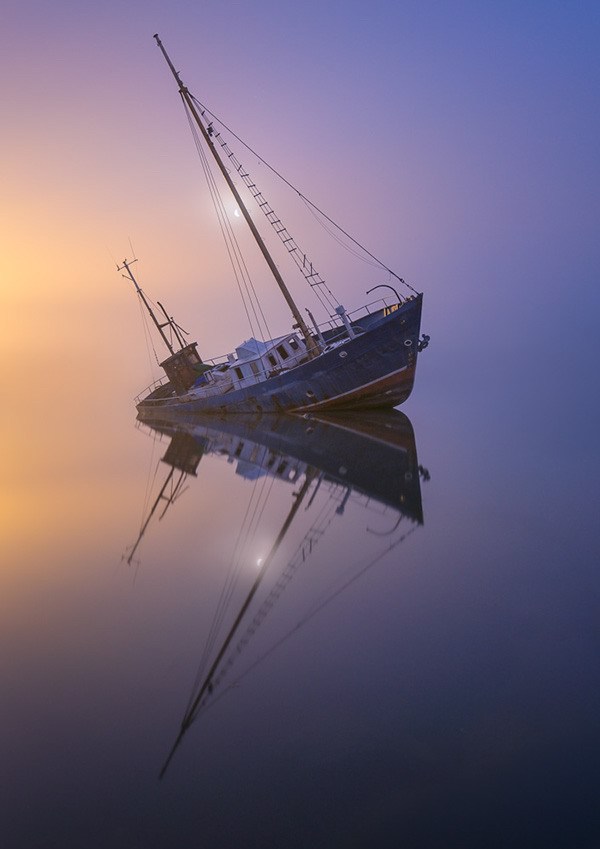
pixel 280 229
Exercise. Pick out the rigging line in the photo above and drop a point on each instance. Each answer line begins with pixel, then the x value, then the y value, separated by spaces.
pixel 246 526
pixel 390 547
pixel 311 276
pixel 222 220
pixel 254 521
pixel 110 253
pixel 337 239
pixel 170 321
pixel 149 484
pixel 231 577
pixel 247 277
pixel 217 200
pixel 132 251
pixel 310 540
pixel 300 624
pixel 148 338
pixel 232 242
pixel 299 193
pixel 238 552
pixel 190 715
pixel 176 490
pixel 229 584
pixel 225 223
pixel 237 272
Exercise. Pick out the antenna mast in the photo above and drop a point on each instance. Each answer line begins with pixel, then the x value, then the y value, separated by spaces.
pixel 159 326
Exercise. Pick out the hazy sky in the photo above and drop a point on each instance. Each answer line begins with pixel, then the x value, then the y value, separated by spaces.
pixel 458 141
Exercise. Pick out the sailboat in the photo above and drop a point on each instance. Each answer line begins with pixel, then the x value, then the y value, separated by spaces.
pixel 363 359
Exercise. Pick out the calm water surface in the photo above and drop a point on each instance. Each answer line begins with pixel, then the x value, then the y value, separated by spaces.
pixel 367 635
pixel 374 632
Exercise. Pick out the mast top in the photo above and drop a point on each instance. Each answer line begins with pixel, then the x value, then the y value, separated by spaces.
pixel 169 63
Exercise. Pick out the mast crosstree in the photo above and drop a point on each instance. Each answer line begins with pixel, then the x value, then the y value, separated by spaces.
pixel 175 328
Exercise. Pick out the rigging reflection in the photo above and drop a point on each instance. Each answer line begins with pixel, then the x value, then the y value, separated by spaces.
pixel 370 458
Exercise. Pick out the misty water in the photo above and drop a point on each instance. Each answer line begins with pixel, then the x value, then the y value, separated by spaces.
pixel 373 631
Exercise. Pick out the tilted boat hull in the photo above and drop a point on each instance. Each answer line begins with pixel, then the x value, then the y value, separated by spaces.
pixel 373 453
pixel 375 370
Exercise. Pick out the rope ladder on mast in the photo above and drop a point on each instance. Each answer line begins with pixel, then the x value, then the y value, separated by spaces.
pixel 309 272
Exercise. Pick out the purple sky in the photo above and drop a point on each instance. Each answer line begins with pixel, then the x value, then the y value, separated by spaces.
pixel 457 141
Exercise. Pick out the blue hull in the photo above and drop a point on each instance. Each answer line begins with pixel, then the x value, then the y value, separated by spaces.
pixel 372 453
pixel 375 370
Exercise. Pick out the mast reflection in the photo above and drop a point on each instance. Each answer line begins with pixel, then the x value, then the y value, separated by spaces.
pixel 370 457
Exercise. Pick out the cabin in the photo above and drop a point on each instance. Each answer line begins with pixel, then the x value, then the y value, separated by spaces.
pixel 255 361
pixel 252 362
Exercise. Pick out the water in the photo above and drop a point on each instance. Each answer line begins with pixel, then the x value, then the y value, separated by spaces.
pixel 417 665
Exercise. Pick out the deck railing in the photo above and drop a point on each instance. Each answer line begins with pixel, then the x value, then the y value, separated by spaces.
pixel 333 327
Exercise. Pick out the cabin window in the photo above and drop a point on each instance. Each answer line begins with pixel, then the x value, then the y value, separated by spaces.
pixel 255 368
pixel 293 344
pixel 282 352
pixel 239 372
pixel 272 359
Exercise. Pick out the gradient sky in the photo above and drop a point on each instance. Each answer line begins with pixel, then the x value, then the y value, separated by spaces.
pixel 458 141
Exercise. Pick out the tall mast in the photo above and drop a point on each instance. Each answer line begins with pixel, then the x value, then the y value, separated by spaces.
pixel 159 326
pixel 311 345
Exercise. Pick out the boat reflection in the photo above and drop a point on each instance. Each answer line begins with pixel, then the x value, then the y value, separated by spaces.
pixel 369 458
